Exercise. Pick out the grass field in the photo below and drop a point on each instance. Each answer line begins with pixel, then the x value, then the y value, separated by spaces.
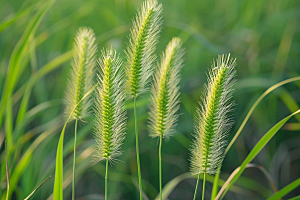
pixel 36 41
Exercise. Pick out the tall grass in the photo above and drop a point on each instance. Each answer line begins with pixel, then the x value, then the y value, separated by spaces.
pixel 110 110
pixel 212 122
pixel 165 96
pixel 140 58
pixel 32 85
pixel 81 81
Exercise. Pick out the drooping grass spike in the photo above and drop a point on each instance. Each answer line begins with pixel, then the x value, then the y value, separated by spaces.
pixel 213 122
pixel 80 82
pixel 110 110
pixel 82 73
pixel 165 96
pixel 142 44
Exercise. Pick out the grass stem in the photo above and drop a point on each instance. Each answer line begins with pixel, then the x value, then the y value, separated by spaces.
pixel 106 179
pixel 137 150
pixel 195 194
pixel 160 185
pixel 203 190
pixel 74 161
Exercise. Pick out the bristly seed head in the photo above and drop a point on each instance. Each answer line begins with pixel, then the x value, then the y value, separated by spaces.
pixel 165 91
pixel 213 122
pixel 82 73
pixel 142 43
pixel 110 109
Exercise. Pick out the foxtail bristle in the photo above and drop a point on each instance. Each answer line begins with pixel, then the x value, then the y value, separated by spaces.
pixel 142 43
pixel 165 91
pixel 213 122
pixel 82 73
pixel 110 109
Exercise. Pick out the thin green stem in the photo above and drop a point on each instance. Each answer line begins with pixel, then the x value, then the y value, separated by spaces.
pixel 203 190
pixel 195 194
pixel 74 161
pixel 137 149
pixel 160 185
pixel 106 179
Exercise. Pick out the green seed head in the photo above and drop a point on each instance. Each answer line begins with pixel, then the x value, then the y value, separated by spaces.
pixel 212 122
pixel 142 43
pixel 165 91
pixel 110 109
pixel 82 72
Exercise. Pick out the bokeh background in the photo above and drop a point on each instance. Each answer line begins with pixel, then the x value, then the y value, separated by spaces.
pixel 263 35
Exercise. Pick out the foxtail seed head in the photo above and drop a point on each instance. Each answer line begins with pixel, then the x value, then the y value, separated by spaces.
pixel 82 73
pixel 142 43
pixel 110 109
pixel 165 91
pixel 212 122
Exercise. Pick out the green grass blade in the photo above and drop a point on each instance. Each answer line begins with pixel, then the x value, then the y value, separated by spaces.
pixel 58 182
pixel 254 106
pixel 20 51
pixel 7 174
pixel 258 147
pixel 33 192
pixel 286 190
pixel 10 20
pixel 215 186
pixel 269 90
pixel 295 198
pixel 33 79
pixel 171 185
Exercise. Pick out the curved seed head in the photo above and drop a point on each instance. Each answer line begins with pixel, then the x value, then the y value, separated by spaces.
pixel 165 91
pixel 82 73
pixel 142 43
pixel 213 122
pixel 110 109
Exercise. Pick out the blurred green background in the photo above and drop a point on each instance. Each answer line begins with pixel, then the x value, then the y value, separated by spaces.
pixel 263 35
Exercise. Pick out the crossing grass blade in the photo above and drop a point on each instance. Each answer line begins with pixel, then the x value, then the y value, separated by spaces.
pixel 58 187
pixel 258 147
pixel 268 91
pixel 33 192
pixel 284 191
pixel 16 68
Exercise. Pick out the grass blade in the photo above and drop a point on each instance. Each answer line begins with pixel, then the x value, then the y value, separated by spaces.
pixel 32 193
pixel 286 190
pixel 171 185
pixel 7 174
pixel 20 51
pixel 254 106
pixel 58 181
pixel 215 186
pixel 258 147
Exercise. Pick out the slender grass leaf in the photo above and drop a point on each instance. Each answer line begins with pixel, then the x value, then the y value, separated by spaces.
pixel 58 182
pixel 284 191
pixel 33 192
pixel 258 147
pixel 269 90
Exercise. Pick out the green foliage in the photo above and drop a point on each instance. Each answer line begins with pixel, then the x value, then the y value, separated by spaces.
pixel 212 122
pixel 34 51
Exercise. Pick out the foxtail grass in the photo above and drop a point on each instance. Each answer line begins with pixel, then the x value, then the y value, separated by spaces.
pixel 140 57
pixel 110 110
pixel 213 122
pixel 81 81
pixel 165 96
